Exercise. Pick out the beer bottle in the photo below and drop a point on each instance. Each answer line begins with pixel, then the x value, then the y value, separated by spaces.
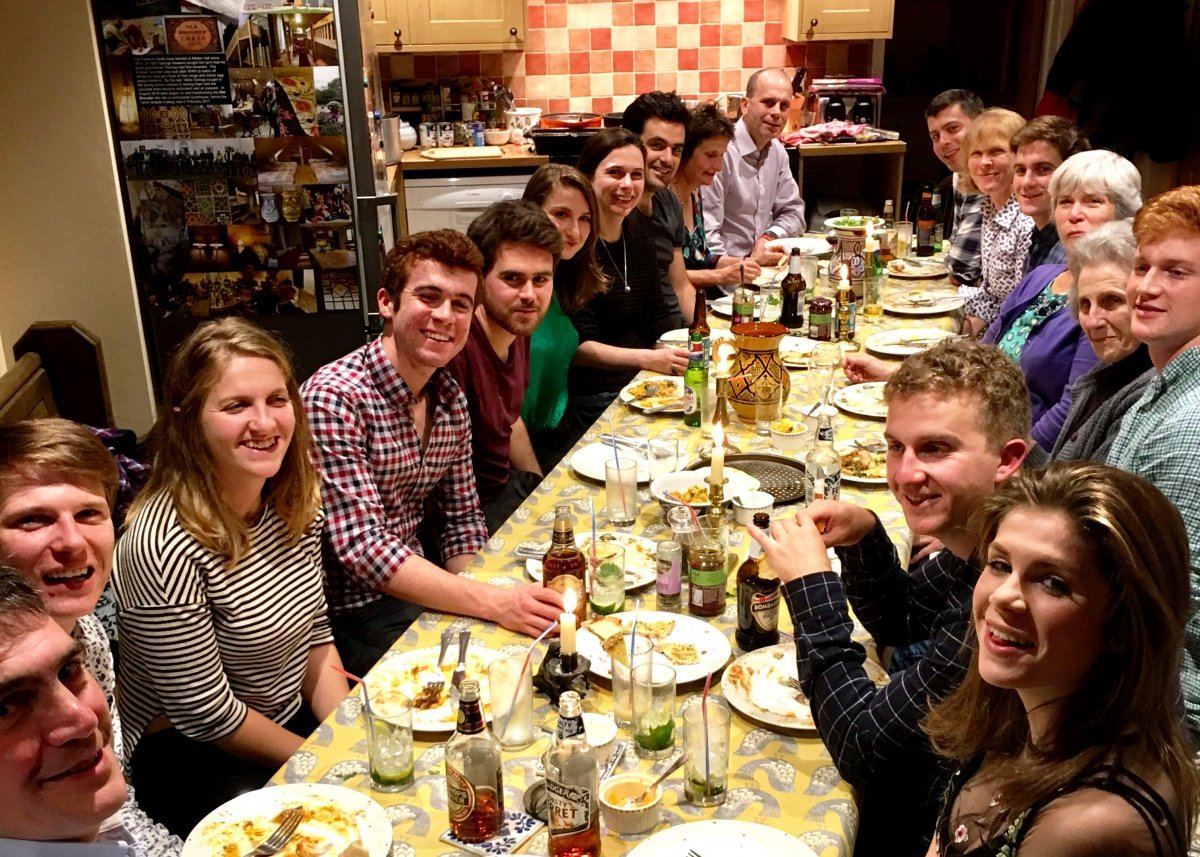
pixel 757 597
pixel 938 225
pixel 743 306
pixel 823 466
pixel 793 287
pixel 695 388
pixel 572 785
pixel 889 214
pixel 926 219
pixel 564 567
pixel 474 779
pixel 699 334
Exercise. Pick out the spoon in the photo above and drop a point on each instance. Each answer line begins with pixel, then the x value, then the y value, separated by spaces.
pixel 675 766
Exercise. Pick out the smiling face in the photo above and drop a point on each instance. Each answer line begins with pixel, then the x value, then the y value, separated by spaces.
pixel 946 132
pixel 1164 291
pixel 428 323
pixel 767 107
pixel 706 161
pixel 1039 607
pixel 60 537
pixel 1104 311
pixel 568 211
pixel 619 181
pixel 248 420
pixel 991 166
pixel 940 463
pixel 59 777
pixel 664 144
pixel 516 291
pixel 1080 211
pixel 1033 166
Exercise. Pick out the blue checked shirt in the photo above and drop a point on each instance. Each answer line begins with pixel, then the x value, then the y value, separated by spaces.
pixel 1160 441
pixel 963 256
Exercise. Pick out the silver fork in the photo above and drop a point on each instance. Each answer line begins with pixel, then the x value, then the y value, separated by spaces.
pixel 692 852
pixel 460 671
pixel 790 683
pixel 278 839
pixel 435 685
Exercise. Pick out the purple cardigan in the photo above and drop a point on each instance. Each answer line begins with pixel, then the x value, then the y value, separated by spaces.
pixel 1056 353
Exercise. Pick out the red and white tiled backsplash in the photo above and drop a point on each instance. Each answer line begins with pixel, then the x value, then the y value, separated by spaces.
pixel 596 55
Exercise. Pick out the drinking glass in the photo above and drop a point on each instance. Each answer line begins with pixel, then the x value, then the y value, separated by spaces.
pixel 653 709
pixel 636 654
pixel 904 233
pixel 769 301
pixel 390 741
pixel 620 491
pixel 662 455
pixel 706 772
pixel 872 289
pixel 768 401
pixel 511 689
pixel 607 562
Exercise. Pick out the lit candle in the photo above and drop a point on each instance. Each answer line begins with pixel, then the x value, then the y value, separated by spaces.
pixel 566 623
pixel 845 283
pixel 717 474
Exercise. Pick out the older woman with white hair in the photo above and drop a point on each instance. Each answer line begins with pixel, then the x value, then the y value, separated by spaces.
pixel 1100 263
pixel 1035 328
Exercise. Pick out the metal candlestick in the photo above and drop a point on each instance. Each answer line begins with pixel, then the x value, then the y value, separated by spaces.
pixel 716 508
pixel 561 672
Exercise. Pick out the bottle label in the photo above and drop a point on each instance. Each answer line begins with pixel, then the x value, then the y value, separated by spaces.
pixel 764 610
pixel 825 433
pixel 569 727
pixel 460 794
pixel 832 486
pixel 691 403
pixel 668 576
pixel 570 808
pixel 706 597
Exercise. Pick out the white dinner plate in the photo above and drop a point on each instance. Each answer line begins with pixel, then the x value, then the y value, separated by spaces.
pixel 906 341
pixel 638 394
pixel 879 463
pixel 921 302
pixel 711 644
pixel 408 672
pixel 739 483
pixel 812 245
pixel 641 557
pixel 721 836
pixel 679 336
pixel 795 351
pixel 722 306
pixel 916 268
pixel 335 816
pixel 589 461
pixel 863 400
pixel 752 686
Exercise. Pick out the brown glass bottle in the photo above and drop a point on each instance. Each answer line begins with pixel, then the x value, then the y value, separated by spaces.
pixel 757 598
pixel 699 333
pixel 926 220
pixel 573 785
pixel 564 567
pixel 474 777
pixel 791 311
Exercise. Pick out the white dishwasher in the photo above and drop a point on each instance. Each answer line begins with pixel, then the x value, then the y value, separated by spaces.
pixel 454 201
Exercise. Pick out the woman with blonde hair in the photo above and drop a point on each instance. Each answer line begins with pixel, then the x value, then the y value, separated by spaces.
pixel 226 647
pixel 1006 232
pixel 1067 728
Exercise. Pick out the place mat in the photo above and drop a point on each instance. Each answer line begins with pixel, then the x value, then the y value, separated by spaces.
pixel 781 477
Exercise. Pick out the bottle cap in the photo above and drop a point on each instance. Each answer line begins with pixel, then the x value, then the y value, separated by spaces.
pixel 468 691
pixel 762 520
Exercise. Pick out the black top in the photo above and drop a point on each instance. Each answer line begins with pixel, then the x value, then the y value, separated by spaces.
pixel 667 223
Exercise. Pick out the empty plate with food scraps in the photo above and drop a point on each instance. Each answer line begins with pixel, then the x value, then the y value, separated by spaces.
pixel 796 351
pixel 690 487
pixel 338 821
pixel 864 462
pixel 921 301
pixel 694 647
pixel 412 673
pixel 863 400
pixel 678 338
pixel 917 269
pixel 641 557
pixel 658 393
pixel 906 341
pixel 754 685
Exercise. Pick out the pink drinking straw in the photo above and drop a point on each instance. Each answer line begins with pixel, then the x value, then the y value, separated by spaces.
pixel 366 697
pixel 521 675
pixel 704 719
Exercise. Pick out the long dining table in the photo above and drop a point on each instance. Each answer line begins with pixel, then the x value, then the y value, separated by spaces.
pixel 786 781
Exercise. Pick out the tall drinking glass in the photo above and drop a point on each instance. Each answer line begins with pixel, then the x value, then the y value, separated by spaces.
pixel 636 654
pixel 620 491
pixel 390 741
pixel 662 454
pixel 607 563
pixel 512 702
pixel 653 709
pixel 706 772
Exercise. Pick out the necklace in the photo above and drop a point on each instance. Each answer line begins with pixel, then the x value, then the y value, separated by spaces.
pixel 624 259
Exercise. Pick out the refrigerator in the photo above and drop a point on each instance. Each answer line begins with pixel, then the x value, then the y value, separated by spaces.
pixel 246 146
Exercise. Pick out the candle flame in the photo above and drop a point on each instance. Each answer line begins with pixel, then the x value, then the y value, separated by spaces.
pixel 845 271
pixel 569 599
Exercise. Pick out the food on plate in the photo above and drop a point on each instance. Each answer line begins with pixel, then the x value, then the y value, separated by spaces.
pixel 355 849
pixel 679 654
pixel 610 628
pixel 671 401
pixel 691 496
pixel 786 426
pixel 615 647
pixel 605 627
pixel 413 675
pixel 324 829
pixel 792 357
pixel 865 463
pixel 655 387
pixel 655 630
pixel 760 683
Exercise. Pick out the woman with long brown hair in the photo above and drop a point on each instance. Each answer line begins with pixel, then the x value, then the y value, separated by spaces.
pixel 226 647
pixel 1067 728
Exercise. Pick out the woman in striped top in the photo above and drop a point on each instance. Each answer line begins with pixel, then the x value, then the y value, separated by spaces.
pixel 225 644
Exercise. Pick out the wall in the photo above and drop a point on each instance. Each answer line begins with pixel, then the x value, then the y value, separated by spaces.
pixel 596 56
pixel 63 253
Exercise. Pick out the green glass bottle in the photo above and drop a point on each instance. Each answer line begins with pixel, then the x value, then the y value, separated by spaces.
pixel 695 386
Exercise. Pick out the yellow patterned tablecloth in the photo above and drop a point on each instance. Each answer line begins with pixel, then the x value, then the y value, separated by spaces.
pixel 784 781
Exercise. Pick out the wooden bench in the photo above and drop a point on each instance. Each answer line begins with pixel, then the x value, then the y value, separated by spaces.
pixel 25 392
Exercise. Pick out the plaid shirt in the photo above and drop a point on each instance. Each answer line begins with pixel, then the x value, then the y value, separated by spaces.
pixel 376 478
pixel 874 733
pixel 1044 249
pixel 963 256
pixel 1160 441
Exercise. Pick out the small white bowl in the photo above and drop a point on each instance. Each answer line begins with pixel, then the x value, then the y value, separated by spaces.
pixel 634 821
pixel 746 505
pixel 601 734
pixel 496 136
pixel 789 441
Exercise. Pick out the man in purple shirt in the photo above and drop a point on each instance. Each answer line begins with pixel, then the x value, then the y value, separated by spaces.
pixel 392 438
pixel 520 247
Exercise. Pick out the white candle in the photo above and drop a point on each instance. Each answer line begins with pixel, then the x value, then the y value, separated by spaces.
pixel 566 623
pixel 717 475
pixel 845 277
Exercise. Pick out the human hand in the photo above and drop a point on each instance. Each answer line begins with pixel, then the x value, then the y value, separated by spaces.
pixel 665 360
pixel 859 368
pixel 741 271
pixel 793 546
pixel 528 608
pixel 840 523
pixel 922 547
pixel 763 254
pixel 972 326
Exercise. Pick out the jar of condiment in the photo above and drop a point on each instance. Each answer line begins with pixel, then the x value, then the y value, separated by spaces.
pixel 706 574
pixel 820 319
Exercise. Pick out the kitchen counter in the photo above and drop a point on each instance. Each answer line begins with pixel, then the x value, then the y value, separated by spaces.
pixel 869 171
pixel 514 156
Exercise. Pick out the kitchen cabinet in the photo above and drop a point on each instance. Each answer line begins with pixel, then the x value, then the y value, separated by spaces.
pixel 432 26
pixel 861 172
pixel 817 20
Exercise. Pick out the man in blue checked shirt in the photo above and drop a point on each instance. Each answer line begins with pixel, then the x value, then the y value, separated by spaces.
pixel 957 427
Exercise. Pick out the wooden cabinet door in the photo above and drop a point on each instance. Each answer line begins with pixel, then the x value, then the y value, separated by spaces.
pixel 389 24
pixel 814 20
pixel 494 24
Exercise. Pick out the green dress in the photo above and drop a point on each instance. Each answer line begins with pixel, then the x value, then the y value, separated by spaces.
pixel 551 348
